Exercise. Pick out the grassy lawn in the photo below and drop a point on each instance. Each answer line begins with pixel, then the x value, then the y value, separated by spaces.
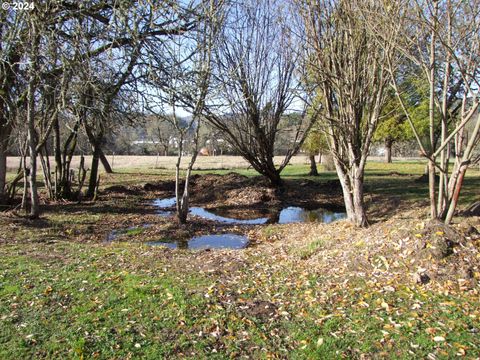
pixel 74 300
pixel 65 294
pixel 379 179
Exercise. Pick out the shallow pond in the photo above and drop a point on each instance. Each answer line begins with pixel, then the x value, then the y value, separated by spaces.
pixel 221 241
pixel 163 204
pixel 206 214
pixel 296 214
pixel 286 215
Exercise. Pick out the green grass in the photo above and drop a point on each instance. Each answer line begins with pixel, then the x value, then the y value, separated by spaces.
pixel 81 301
pixel 52 309
pixel 67 299
pixel 311 248
pixel 379 179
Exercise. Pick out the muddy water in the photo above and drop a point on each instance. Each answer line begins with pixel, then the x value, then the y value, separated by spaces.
pixel 221 241
pixel 284 216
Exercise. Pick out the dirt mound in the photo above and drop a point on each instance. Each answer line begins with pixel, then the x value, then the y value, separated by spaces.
pixel 236 190
pixel 424 179
pixel 251 195
pixel 472 210
pixel 160 186
pixel 332 185
pixel 447 253
pixel 120 189
pixel 232 189
pixel 438 240
pixel 402 249
pixel 227 181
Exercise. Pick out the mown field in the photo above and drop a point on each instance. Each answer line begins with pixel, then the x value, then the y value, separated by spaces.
pixel 299 291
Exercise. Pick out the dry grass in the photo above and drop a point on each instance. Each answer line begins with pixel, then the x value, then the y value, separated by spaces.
pixel 168 162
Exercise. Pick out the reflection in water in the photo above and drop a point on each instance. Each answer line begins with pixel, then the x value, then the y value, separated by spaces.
pixel 222 241
pixel 165 203
pixel 295 214
pixel 201 212
pixel 285 216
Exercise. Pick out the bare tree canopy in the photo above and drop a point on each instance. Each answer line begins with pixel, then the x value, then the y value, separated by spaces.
pixel 443 42
pixel 349 67
pixel 61 60
pixel 184 81
pixel 256 69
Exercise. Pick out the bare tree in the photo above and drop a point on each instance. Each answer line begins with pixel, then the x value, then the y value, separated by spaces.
pixel 444 43
pixel 185 83
pixel 349 67
pixel 259 81
pixel 40 115
pixel 63 44
pixel 12 27
pixel 160 132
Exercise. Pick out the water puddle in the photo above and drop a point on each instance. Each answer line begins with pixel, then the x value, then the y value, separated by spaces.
pixel 201 212
pixel 299 215
pixel 221 241
pixel 286 215
pixel 163 204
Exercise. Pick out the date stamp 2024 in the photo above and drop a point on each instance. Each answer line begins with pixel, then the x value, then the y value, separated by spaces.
pixel 18 5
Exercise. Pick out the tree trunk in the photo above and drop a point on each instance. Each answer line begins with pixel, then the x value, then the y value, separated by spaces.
pixel 271 173
pixel 57 152
pixel 313 166
pixel 358 204
pixel 5 131
pixel 26 174
pixel 352 194
pixel 181 212
pixel 92 182
pixel 388 151
pixel 3 172
pixel 32 147
pixel 104 160
pixel 456 193
pixel 431 189
pixel 275 179
pixel 431 115
pixel 347 195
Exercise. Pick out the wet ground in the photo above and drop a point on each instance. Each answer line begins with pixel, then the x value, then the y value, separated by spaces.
pixel 286 215
pixel 224 208
pixel 219 241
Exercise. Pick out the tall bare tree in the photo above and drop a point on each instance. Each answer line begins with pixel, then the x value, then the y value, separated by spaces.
pixel 349 67
pixel 12 94
pixel 184 81
pixel 444 43
pixel 256 70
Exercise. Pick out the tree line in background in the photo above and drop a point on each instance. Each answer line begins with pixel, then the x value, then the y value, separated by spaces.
pixel 265 77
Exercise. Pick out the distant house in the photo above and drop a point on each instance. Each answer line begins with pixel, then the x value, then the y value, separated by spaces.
pixel 204 152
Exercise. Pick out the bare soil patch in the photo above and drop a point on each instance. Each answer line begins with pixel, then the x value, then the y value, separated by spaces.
pixel 237 191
